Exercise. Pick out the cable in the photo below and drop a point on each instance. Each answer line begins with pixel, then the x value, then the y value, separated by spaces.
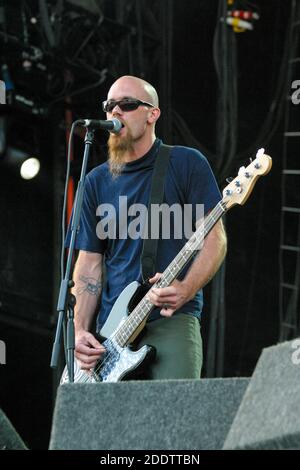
pixel 83 89
pixel 252 287
pixel 274 114
pixel 225 63
pixel 63 220
pixel 46 22
pixel 86 40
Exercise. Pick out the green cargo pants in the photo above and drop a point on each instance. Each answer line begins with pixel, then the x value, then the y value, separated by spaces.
pixel 178 344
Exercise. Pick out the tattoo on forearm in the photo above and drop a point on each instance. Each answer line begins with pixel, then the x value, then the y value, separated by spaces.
pixel 90 285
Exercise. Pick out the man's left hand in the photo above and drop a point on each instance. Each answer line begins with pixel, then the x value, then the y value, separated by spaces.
pixel 170 298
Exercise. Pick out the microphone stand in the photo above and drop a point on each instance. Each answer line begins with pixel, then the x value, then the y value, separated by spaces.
pixel 66 300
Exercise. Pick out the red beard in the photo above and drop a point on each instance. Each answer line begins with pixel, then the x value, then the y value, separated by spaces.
pixel 118 146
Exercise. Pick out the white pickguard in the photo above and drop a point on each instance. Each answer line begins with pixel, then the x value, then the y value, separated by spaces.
pixel 119 310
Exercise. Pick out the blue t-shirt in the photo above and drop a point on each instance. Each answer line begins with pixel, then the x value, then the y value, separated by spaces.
pixel 189 180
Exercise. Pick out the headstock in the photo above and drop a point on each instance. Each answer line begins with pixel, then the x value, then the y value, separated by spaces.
pixel 239 189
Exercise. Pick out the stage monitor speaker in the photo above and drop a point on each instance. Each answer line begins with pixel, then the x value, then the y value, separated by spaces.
pixel 269 417
pixel 153 415
pixel 9 438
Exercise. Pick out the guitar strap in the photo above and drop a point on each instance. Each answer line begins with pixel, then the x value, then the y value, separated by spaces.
pixel 149 251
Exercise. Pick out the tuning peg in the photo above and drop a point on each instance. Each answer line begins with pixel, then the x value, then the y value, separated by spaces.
pixel 260 152
pixel 229 179
pixel 251 160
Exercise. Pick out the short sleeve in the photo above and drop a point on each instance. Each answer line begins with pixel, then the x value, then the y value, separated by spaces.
pixel 202 187
pixel 86 237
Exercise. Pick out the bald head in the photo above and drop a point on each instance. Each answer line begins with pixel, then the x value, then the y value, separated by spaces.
pixel 129 86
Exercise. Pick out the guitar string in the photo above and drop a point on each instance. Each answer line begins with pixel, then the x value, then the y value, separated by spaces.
pixel 209 222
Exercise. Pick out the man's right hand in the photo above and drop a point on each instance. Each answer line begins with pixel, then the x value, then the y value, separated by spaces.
pixel 87 349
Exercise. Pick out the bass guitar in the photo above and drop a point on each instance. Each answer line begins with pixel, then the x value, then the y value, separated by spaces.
pixel 125 323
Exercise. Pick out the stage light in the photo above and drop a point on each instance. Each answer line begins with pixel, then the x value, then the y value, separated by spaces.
pixel 20 161
pixel 30 168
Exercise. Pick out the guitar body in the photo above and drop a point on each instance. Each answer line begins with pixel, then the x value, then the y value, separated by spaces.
pixel 118 363
pixel 120 310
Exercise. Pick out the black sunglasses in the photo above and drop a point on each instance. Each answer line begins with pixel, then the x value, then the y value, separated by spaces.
pixel 125 104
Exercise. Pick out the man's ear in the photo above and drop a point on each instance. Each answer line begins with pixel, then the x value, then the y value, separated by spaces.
pixel 154 114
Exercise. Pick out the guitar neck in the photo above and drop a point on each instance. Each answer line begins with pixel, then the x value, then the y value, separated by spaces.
pixel 192 246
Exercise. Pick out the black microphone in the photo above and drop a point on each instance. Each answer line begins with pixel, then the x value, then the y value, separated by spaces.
pixel 113 125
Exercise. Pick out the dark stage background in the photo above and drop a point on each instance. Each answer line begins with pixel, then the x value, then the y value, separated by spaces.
pixel 58 62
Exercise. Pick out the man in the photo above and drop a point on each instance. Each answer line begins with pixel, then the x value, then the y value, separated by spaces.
pixel 173 327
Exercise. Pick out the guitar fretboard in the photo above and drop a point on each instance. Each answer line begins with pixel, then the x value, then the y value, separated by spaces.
pixel 194 244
